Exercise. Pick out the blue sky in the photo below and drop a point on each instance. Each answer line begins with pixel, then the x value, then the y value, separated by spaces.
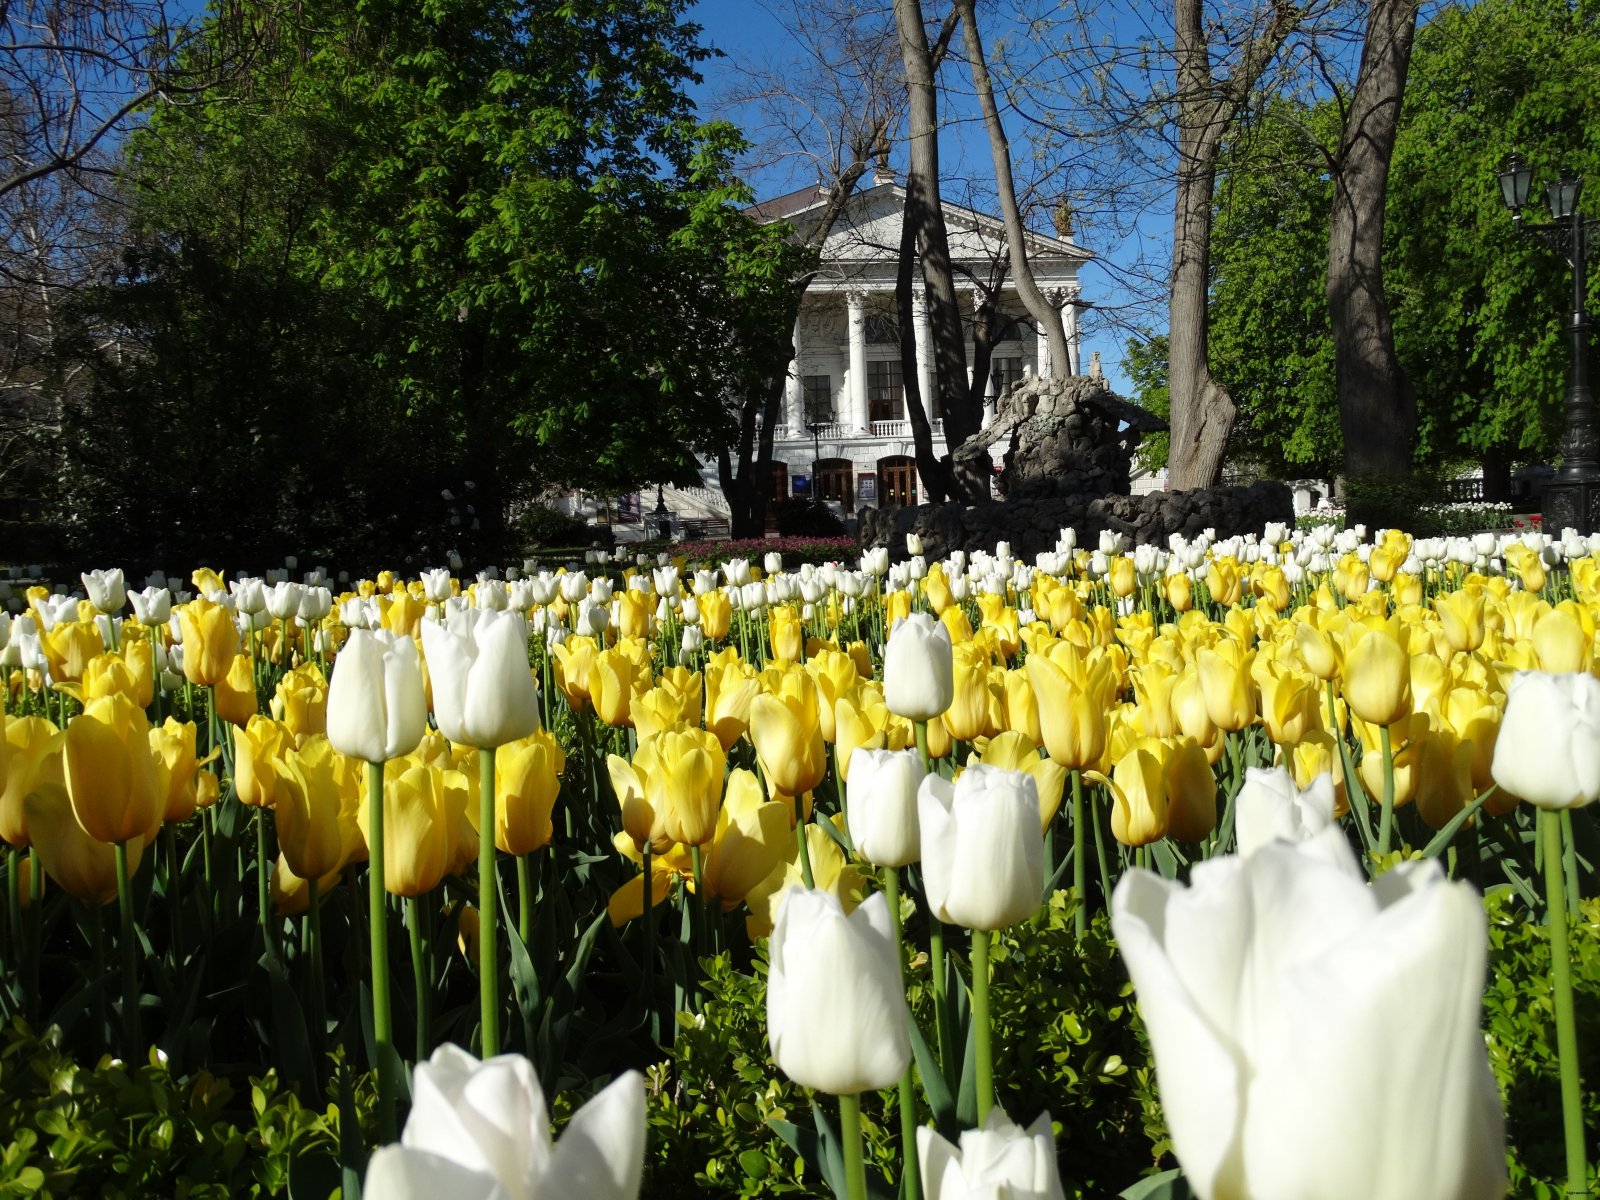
pixel 746 30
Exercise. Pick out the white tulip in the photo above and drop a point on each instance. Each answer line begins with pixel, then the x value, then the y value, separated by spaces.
pixel 882 795
pixel 1548 748
pixel 982 849
pixel 1270 807
pixel 377 705
pixel 436 585
pixel 483 690
pixel 249 595
pixel 913 544
pixel 480 1130
pixel 998 1160
pixel 918 668
pixel 836 1013
pixel 772 562
pixel 875 561
pixel 105 589
pixel 1281 989
pixel 283 600
pixel 152 606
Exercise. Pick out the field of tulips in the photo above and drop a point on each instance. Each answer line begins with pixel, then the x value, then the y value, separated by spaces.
pixel 830 880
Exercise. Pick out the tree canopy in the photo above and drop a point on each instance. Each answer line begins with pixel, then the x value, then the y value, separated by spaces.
pixel 430 245
pixel 1477 310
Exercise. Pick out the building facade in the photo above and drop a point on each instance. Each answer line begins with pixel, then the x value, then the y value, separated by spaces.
pixel 845 436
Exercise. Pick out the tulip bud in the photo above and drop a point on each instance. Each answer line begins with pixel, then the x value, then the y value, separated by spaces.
pixel 999 1159
pixel 376 704
pixel 982 851
pixel 1548 748
pixel 882 795
pixel 918 668
pixel 483 689
pixel 836 1014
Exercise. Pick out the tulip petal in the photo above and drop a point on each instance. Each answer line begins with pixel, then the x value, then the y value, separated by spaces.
pixel 601 1152
pixel 401 1173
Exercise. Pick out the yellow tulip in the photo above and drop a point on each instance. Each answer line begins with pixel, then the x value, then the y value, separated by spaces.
pixel 210 641
pixel 1560 642
pixel 83 865
pixel 236 693
pixel 1153 683
pixel 34 761
pixel 258 750
pixel 1139 796
pixel 107 675
pixel 731 689
pixel 835 675
pixel 975 708
pixel 1405 740
pixel 786 730
pixel 830 871
pixel 751 839
pixel 661 708
pixel 1071 717
pixel 1318 754
pixel 1291 704
pixel 1012 751
pixel 174 744
pixel 1189 710
pixel 69 647
pixel 140 655
pixel 301 702
pixel 1122 577
pixel 1225 682
pixel 1527 565
pixel 1022 710
pixel 611 686
pixel 115 783
pixel 1461 615
pixel 1180 592
pixel 634 612
pixel 404 614
pixel 1408 590
pixel 716 614
pixel 574 663
pixel 1444 777
pixel 1222 581
pixel 418 820
pixel 1273 587
pixel 1319 650
pixel 306 814
pixel 1191 791
pixel 627 902
pixel 787 633
pixel 1377 673
pixel 936 590
pixel 526 784
pixel 858 724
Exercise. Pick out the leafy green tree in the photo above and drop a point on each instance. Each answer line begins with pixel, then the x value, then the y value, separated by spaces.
pixel 518 236
pixel 1477 310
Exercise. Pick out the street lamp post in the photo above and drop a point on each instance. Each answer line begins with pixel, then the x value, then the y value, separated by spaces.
pixel 662 516
pixel 814 428
pixel 1573 498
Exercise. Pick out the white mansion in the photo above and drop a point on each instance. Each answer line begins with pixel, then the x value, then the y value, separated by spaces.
pixel 844 435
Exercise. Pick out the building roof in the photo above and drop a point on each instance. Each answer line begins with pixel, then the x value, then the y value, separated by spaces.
pixel 854 238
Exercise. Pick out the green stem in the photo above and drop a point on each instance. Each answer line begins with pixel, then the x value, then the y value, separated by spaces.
pixel 1080 864
pixel 855 1167
pixel 169 838
pixel 804 846
pixel 1569 861
pixel 488 922
pixel 910 1171
pixel 649 988
pixel 1561 987
pixel 922 745
pixel 419 972
pixel 130 962
pixel 263 889
pixel 941 998
pixel 1100 855
pixel 524 898
pixel 1386 817
pixel 980 1020
pixel 319 1022
pixel 377 916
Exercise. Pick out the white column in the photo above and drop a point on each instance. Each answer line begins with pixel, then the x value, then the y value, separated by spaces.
pixel 794 394
pixel 1042 366
pixel 1069 323
pixel 924 335
pixel 856 306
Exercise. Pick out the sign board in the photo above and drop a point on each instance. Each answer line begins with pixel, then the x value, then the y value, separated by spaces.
pixel 801 484
pixel 867 489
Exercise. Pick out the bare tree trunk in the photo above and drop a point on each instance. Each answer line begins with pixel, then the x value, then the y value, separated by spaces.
pixel 934 472
pixel 1202 410
pixel 1377 408
pixel 925 213
pixel 1035 301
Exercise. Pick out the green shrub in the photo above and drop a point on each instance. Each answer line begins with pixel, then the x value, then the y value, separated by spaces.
pixel 538 526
